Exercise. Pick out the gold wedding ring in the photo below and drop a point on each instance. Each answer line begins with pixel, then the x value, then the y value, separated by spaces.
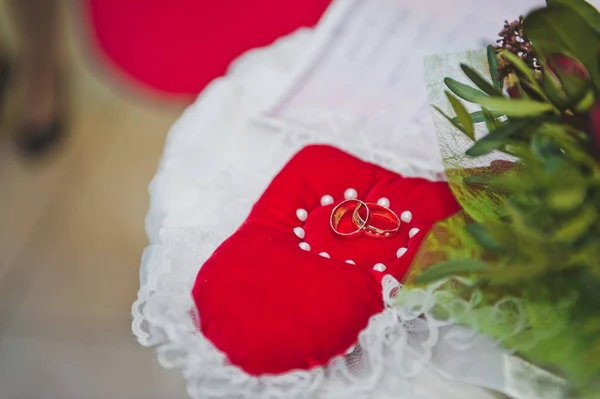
pixel 377 220
pixel 343 208
pixel 378 212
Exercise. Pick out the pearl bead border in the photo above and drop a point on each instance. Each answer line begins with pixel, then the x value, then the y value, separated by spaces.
pixel 350 193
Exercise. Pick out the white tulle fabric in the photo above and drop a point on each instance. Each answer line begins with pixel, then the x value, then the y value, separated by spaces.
pixel 216 164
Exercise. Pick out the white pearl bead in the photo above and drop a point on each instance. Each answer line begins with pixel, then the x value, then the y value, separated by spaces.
pixel 299 231
pixel 350 194
pixel 400 252
pixel 302 214
pixel 350 261
pixel 412 232
pixel 383 202
pixel 324 254
pixel 379 267
pixel 326 200
pixel 304 246
pixel 406 216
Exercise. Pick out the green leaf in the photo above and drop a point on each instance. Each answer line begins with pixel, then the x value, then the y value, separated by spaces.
pixel 495 139
pixel 534 91
pixel 516 107
pixel 517 274
pixel 558 28
pixel 575 226
pixel 476 179
pixel 450 268
pixel 527 78
pixel 586 103
pixel 575 86
pixel 566 198
pixel 493 63
pixel 478 117
pixel 451 120
pixel 554 88
pixel 522 68
pixel 463 115
pixel 480 81
pixel 542 147
pixel 464 91
pixel 490 120
pixel 583 8
pixel 483 236
pixel 523 94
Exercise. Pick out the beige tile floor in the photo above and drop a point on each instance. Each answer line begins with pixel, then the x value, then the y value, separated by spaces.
pixel 71 234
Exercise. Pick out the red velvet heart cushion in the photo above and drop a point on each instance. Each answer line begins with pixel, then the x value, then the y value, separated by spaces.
pixel 273 307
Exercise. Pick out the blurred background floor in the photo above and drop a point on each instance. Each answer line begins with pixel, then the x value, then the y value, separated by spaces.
pixel 71 235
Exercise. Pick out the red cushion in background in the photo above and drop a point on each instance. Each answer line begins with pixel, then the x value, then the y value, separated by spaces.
pixel 272 307
pixel 179 46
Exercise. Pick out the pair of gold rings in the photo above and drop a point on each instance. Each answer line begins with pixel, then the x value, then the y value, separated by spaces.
pixel 353 218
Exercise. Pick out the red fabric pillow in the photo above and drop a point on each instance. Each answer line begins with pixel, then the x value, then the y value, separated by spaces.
pixel 179 46
pixel 272 307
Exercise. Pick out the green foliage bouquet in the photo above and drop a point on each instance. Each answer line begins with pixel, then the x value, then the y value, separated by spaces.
pixel 524 255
